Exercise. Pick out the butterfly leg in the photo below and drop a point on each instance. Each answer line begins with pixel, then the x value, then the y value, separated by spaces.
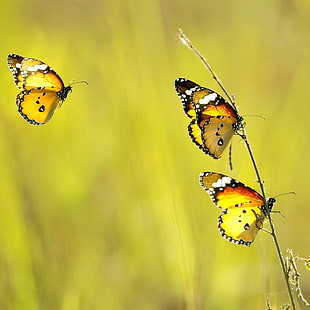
pixel 260 221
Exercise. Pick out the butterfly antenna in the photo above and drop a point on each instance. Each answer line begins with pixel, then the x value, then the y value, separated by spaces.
pixel 254 115
pixel 276 211
pixel 288 193
pixel 279 212
pixel 77 82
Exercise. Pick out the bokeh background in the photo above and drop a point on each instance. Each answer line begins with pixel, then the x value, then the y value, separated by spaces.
pixel 101 207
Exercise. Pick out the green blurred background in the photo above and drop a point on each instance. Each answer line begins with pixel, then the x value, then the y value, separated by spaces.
pixel 101 207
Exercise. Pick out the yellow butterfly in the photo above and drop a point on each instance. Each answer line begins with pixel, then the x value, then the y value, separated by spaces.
pixel 42 89
pixel 244 210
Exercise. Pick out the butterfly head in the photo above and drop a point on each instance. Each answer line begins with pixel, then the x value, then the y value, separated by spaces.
pixel 77 82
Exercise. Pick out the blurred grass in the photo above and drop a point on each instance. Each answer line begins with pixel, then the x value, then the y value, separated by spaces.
pixel 101 207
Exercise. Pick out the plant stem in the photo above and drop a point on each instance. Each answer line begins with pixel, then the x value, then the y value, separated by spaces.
pixel 273 232
pixel 242 133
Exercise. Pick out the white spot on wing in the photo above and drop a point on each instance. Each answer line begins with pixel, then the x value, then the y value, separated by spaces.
pixel 208 98
pixel 37 67
pixel 222 182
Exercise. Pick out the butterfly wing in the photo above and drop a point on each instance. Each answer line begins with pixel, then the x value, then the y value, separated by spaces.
pixel 240 225
pixel 185 90
pixel 217 119
pixel 216 133
pixel 208 103
pixel 243 214
pixel 31 73
pixel 14 63
pixel 37 105
pixel 194 132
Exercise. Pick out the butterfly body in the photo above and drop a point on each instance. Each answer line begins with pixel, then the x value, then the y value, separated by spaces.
pixel 42 90
pixel 213 120
pixel 244 210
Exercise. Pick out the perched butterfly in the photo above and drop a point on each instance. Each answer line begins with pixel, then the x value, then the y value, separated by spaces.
pixel 213 120
pixel 244 210
pixel 42 89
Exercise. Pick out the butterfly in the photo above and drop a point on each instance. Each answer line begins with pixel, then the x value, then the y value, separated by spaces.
pixel 244 210
pixel 42 90
pixel 213 120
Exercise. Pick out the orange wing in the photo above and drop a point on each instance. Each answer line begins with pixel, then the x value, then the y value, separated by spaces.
pixel 208 103
pixel 216 133
pixel 241 224
pixel 244 209
pixel 31 73
pixel 37 106
pixel 226 192
pixel 217 120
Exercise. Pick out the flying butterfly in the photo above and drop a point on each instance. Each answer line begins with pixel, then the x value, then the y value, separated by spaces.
pixel 213 120
pixel 42 90
pixel 244 210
